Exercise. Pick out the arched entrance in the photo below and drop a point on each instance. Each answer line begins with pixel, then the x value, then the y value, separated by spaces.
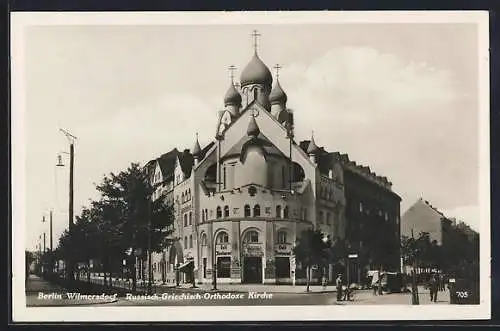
pixel 253 251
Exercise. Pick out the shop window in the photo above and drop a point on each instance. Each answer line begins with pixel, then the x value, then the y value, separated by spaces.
pixel 226 211
pixel 247 211
pixel 223 267
pixel 219 212
pixel 278 211
pixel 256 210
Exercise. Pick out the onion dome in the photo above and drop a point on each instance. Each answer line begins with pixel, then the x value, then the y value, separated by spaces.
pixel 256 72
pixel 277 95
pixel 253 129
pixel 196 148
pixel 232 97
pixel 312 148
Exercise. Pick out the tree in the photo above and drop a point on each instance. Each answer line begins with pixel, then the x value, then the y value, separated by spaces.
pixel 311 250
pixel 29 258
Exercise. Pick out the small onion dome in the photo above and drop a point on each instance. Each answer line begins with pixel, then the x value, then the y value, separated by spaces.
pixel 253 129
pixel 277 95
pixel 312 148
pixel 256 72
pixel 232 97
pixel 196 148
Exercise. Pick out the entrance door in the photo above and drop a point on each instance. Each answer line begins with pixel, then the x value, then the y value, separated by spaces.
pixel 252 270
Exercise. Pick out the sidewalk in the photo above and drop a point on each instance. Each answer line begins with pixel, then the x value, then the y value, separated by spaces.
pixel 238 288
pixel 39 292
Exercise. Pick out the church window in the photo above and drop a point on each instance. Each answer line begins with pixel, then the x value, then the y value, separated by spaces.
pixel 283 184
pixel 282 237
pixel 190 218
pixel 219 212
pixel 320 217
pixel 204 240
pixel 190 241
pixel 226 211
pixel 256 210
pixel 255 93
pixel 189 194
pixel 236 211
pixel 285 212
pixel 278 211
pixel 252 237
pixel 268 210
pixel 185 219
pixel 225 177
pixel 183 199
pixel 247 211
pixel 222 238
pixel 360 207
pixel 203 216
pixel 185 242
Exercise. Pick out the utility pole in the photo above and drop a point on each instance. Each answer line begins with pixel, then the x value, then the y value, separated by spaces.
pixel 44 246
pixel 50 227
pixel 71 138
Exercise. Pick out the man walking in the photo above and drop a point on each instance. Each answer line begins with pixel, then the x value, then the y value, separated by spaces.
pixel 433 287
pixel 338 284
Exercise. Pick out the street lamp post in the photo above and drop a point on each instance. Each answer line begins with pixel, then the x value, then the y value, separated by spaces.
pixel 71 138
pixel 214 270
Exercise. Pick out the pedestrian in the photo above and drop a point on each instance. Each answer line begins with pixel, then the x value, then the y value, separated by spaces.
pixel 338 283
pixel 375 283
pixel 433 287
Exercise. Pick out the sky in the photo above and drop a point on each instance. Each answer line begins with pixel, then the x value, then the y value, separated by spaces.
pixel 400 98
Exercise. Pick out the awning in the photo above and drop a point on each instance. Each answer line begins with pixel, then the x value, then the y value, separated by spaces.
pixel 185 265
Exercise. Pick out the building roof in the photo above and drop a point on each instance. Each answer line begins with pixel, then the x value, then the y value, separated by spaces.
pixel 277 95
pixel 262 141
pixel 232 97
pixel 256 72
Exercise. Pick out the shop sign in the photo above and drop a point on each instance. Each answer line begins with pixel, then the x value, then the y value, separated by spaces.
pixel 253 250
pixel 222 249
pixel 283 249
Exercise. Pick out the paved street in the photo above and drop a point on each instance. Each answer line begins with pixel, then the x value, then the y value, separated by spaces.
pixel 233 295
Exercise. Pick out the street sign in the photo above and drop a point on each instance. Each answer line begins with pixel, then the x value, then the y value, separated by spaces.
pixel 353 256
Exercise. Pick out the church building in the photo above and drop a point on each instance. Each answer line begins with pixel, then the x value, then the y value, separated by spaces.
pixel 241 201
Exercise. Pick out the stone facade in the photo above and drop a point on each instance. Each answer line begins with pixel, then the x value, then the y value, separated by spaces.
pixel 242 201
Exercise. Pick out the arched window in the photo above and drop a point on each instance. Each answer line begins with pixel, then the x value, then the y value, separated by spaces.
pixel 186 242
pixel 282 237
pixel 226 211
pixel 185 219
pixel 190 218
pixel 203 240
pixel 360 207
pixel 252 236
pixel 219 212
pixel 203 215
pixel 328 218
pixel 222 238
pixel 283 180
pixel 247 211
pixel 224 181
pixel 320 218
pixel 278 211
pixel 255 93
pixel 206 214
pixel 256 210
pixel 182 197
pixel 189 194
pixel 285 212
pixel 190 241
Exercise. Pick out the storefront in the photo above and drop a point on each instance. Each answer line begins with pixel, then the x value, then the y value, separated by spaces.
pixel 283 266
pixel 253 252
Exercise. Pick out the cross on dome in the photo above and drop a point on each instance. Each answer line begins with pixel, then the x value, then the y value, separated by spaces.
pixel 232 69
pixel 255 36
pixel 277 67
